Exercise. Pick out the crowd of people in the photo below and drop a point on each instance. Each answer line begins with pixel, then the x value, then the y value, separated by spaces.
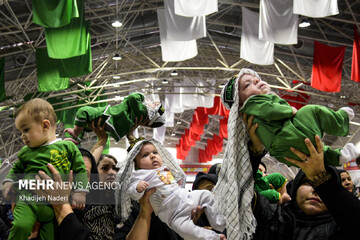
pixel 145 198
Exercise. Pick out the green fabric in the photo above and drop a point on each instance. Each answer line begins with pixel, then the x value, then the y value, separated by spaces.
pixel 2 79
pixel 25 216
pixel 48 73
pixel 70 40
pixel 54 13
pixel 79 65
pixel 261 185
pixel 63 155
pixel 279 131
pixel 106 147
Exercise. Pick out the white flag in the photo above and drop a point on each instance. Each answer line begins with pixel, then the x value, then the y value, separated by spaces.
pixel 316 8
pixel 253 49
pixel 193 8
pixel 159 134
pixel 183 28
pixel 278 23
pixel 174 51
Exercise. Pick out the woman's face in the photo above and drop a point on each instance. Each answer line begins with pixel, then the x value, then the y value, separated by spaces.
pixel 308 200
pixel 107 170
pixel 346 181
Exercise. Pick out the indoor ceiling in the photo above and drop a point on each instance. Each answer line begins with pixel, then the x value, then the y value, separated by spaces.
pixel 142 69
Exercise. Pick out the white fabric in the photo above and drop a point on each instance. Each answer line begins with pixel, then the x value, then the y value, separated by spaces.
pixel 169 118
pixel 193 8
pixel 202 100
pixel 253 49
pixel 180 28
pixel 176 213
pixel 316 8
pixel 235 187
pixel 174 51
pixel 278 23
pixel 122 198
pixel 159 133
pixel 348 153
pixel 158 178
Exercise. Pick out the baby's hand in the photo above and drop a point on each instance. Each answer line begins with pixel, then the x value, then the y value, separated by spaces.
pixel 294 110
pixel 7 190
pixel 142 185
pixel 78 200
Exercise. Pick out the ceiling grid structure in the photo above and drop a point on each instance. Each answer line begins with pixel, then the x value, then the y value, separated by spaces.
pixel 142 69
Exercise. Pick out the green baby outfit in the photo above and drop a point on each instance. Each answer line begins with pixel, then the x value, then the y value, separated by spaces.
pixel 279 129
pixel 261 185
pixel 119 118
pixel 64 156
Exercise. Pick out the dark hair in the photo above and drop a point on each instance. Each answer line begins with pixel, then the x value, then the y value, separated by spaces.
pixel 106 156
pixel 358 160
pixel 263 164
pixel 86 153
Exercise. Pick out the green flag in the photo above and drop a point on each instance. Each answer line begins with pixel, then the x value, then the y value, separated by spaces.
pixel 79 65
pixel 54 13
pixel 48 73
pixel 2 80
pixel 70 40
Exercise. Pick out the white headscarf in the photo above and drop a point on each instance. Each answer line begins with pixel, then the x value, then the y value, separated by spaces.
pixel 235 187
pixel 123 201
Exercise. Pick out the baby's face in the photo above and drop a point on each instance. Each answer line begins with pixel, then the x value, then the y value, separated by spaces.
pixel 148 157
pixel 250 85
pixel 153 104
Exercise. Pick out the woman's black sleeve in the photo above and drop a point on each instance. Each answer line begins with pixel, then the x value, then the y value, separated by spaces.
pixel 343 206
pixel 71 228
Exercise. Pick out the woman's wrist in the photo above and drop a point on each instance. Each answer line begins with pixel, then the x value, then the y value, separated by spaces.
pixel 319 178
pixel 61 211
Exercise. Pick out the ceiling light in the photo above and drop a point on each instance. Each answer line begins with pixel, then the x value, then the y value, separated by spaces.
pixel 116 57
pixel 342 97
pixel 304 23
pixel 174 73
pixel 173 134
pixel 116 24
pixel 179 122
pixel 159 88
pixel 221 85
pixel 116 77
pixel 165 81
pixel 169 142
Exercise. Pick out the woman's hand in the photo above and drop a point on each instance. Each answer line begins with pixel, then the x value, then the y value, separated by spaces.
pixel 98 130
pixel 145 206
pixel 257 146
pixel 130 135
pixel 60 195
pixel 311 165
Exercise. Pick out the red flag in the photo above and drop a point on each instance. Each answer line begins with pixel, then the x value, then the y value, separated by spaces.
pixel 295 99
pixel 200 116
pixel 223 128
pixel 355 67
pixel 327 67
pixel 203 157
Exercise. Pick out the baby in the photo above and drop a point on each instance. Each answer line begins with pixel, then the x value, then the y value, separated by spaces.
pixel 171 203
pixel 282 126
pixel 36 121
pixel 120 118
pixel 276 193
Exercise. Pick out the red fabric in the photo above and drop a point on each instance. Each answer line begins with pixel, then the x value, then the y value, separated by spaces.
pixel 180 154
pixel 355 67
pixel 215 109
pixel 200 117
pixel 196 128
pixel 203 157
pixel 327 67
pixel 214 145
pixel 223 128
pixel 295 99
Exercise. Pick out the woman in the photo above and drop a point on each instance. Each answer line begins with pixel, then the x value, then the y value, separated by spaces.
pixel 320 207
pixel 346 181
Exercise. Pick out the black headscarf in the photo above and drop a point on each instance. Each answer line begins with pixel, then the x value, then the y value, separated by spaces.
pixel 296 222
